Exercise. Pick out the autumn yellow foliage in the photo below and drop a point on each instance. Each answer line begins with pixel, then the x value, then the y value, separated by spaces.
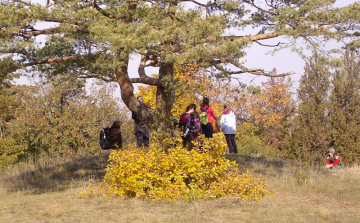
pixel 190 87
pixel 274 105
pixel 166 171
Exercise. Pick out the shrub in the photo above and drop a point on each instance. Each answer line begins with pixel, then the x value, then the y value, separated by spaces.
pixel 249 138
pixel 165 172
pixel 11 152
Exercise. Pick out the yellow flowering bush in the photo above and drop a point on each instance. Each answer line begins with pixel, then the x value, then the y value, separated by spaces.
pixel 166 171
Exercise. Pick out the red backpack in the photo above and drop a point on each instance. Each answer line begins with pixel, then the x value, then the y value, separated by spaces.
pixel 182 120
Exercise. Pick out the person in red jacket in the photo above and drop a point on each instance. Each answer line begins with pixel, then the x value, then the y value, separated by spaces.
pixel 332 160
pixel 207 130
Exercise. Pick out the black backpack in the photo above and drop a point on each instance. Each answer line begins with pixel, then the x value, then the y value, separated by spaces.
pixel 105 139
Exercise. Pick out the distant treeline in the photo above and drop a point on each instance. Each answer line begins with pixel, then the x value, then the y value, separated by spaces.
pixel 60 118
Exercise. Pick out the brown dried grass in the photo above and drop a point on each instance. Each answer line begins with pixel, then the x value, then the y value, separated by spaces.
pixel 303 194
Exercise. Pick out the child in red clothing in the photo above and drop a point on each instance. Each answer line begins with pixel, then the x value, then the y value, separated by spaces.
pixel 332 160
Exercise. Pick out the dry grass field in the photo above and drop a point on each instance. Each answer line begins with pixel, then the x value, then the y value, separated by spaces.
pixel 302 194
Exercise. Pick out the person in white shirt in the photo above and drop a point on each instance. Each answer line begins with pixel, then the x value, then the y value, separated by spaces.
pixel 228 126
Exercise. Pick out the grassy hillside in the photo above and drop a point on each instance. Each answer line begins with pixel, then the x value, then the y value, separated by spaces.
pixel 303 194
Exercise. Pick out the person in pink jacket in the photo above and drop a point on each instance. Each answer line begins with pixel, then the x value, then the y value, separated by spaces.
pixel 208 128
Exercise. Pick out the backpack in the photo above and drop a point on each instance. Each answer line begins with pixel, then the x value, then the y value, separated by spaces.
pixel 203 117
pixel 195 121
pixel 182 120
pixel 105 139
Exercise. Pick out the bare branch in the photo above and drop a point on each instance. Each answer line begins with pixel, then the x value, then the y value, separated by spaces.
pixel 278 44
pixel 23 2
pixel 252 3
pixel 259 72
pixel 197 3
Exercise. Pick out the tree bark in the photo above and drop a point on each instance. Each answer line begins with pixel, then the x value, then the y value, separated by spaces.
pixel 128 97
pixel 163 95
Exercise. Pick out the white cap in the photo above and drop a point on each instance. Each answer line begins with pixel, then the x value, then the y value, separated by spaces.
pixel 117 119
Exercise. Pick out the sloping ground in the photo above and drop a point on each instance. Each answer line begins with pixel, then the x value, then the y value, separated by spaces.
pixel 303 194
pixel 41 179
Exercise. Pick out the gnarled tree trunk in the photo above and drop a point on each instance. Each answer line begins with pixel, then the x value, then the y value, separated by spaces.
pixel 163 95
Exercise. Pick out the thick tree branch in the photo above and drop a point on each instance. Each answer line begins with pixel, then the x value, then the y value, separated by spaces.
pixel 19 51
pixel 142 65
pixel 38 61
pixel 145 80
pixel 254 38
pixel 63 59
pixel 103 78
pixel 127 95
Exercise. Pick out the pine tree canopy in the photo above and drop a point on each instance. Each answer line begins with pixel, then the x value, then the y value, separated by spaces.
pixel 96 38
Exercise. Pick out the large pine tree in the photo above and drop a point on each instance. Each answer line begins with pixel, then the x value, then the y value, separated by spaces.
pixel 97 38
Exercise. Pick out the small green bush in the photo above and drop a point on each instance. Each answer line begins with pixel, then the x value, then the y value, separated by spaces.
pixel 249 140
pixel 11 152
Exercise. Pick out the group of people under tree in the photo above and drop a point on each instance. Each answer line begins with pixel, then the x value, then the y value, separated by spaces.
pixel 140 131
pixel 191 128
pixel 206 123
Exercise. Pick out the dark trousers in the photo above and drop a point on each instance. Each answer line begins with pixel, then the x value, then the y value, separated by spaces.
pixel 207 130
pixel 230 139
pixel 187 141
pixel 141 139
